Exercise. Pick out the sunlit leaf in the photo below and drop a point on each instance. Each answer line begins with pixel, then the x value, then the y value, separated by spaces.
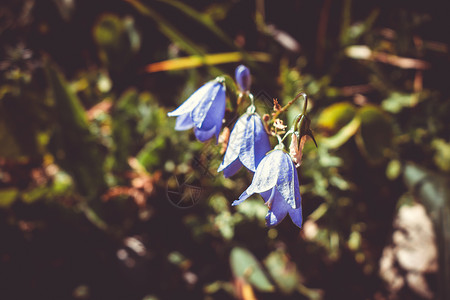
pixel 442 155
pixel 208 59
pixel 393 169
pixel 374 137
pixel 253 209
pixel 224 221
pixel 74 147
pixel 8 196
pixel 336 116
pixel 283 271
pixel 35 194
pixel 245 266
pixel 397 101
pixel 342 136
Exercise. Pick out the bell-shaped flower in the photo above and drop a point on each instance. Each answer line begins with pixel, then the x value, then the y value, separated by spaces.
pixel 276 180
pixel 204 110
pixel 247 145
pixel 243 78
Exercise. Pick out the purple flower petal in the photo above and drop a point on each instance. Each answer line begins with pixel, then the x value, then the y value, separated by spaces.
pixel 184 122
pixel 231 169
pixel 204 135
pixel 278 211
pixel 287 181
pixel 256 143
pixel 247 143
pixel 276 180
pixel 242 198
pixel 197 97
pixel 203 110
pixel 243 78
pixel 296 216
pixel 209 113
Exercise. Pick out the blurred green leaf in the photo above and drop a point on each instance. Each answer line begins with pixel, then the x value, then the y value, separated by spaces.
pixel 9 146
pixel 22 114
pixel 218 203
pixel 351 32
pixel 374 138
pixel 432 189
pixel 442 154
pixel 354 241
pixel 62 182
pixel 74 147
pixel 397 101
pixel 224 221
pixel 171 32
pixel 35 194
pixel 283 271
pixel 8 196
pixel 342 136
pixel 204 19
pixel 195 61
pixel 166 28
pixel 253 209
pixel 123 117
pixel 393 169
pixel 245 266
pixel 150 155
pixel 117 40
pixel 336 116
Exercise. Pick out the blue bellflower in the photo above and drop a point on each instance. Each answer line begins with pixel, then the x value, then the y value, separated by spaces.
pixel 243 78
pixel 247 146
pixel 276 180
pixel 204 110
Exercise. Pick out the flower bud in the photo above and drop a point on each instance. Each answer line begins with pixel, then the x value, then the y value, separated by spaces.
pixel 243 78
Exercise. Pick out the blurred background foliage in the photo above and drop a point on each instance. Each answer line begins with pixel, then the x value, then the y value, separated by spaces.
pixel 101 199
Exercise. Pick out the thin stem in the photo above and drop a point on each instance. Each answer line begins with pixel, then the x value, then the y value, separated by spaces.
pixel 284 108
pixel 280 142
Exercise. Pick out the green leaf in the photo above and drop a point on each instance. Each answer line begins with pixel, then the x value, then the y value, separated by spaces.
pixel 9 146
pixel 397 101
pixel 442 155
pixel 8 196
pixel 283 271
pixel 195 61
pixel 393 169
pixel 342 136
pixel 117 40
pixel 171 32
pixel 74 147
pixel 253 209
pixel 245 266
pixel 336 116
pixel 431 188
pixel 35 194
pixel 201 18
pixel 374 138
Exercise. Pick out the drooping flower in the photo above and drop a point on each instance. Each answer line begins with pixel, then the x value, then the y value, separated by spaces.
pixel 276 180
pixel 204 110
pixel 243 78
pixel 247 145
